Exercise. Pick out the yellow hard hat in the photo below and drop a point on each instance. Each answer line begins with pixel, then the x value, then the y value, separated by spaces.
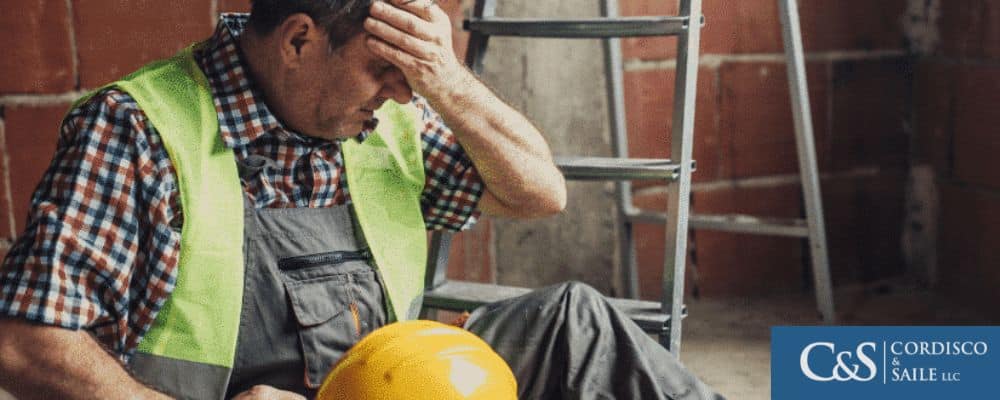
pixel 420 360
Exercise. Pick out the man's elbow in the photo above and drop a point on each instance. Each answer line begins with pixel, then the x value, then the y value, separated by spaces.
pixel 551 201
pixel 557 201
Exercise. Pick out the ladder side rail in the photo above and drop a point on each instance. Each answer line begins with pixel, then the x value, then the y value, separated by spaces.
pixel 436 273
pixel 806 147
pixel 678 194
pixel 478 41
pixel 613 71
pixel 439 246
pixel 437 259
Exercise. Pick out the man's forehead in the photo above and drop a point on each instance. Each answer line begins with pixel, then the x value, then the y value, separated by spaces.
pixel 356 50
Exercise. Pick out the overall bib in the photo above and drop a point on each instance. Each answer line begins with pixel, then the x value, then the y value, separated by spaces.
pixel 310 292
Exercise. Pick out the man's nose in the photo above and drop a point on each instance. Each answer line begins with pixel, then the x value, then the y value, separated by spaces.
pixel 395 87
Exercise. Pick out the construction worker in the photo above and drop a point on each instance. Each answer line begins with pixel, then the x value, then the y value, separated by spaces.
pixel 228 222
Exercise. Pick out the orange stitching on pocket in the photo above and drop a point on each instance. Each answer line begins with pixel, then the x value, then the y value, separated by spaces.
pixel 357 318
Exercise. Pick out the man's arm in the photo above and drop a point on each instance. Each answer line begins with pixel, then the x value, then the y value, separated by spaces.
pixel 47 362
pixel 510 154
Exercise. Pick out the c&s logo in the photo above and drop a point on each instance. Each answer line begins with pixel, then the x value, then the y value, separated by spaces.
pixel 846 366
pixel 884 362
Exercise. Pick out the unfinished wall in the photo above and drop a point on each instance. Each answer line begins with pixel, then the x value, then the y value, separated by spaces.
pixel 860 80
pixel 860 77
pixel 957 94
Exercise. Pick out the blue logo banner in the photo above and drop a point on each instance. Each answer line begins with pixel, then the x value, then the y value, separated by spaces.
pixel 888 362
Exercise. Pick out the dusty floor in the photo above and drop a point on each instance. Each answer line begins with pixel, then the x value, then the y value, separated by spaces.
pixel 727 342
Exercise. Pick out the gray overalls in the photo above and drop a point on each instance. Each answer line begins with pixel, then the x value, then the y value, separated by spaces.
pixel 311 292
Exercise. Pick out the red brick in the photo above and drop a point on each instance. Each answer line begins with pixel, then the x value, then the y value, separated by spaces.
pixel 969 237
pixel 6 220
pixel 234 5
pixel 752 26
pixel 460 38
pixel 648 48
pixel 870 113
pixel 649 242
pixel 969 29
pixel 32 132
pixel 864 219
pixel 649 102
pixel 976 119
pixel 852 24
pixel 732 264
pixel 470 257
pixel 934 113
pixel 114 39
pixel 726 264
pixel 744 26
pixel 756 119
pixel 37 56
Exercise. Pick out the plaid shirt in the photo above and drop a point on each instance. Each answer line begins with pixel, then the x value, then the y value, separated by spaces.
pixel 100 249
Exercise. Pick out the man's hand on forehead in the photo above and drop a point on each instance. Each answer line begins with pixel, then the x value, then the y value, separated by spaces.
pixel 415 36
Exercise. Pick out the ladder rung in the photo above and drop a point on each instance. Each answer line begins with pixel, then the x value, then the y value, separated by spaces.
pixel 579 28
pixel 795 227
pixel 466 296
pixel 614 168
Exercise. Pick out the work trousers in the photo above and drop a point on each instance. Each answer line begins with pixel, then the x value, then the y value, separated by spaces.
pixel 567 342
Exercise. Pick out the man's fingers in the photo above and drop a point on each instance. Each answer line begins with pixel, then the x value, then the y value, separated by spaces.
pixel 421 8
pixel 401 59
pixel 403 20
pixel 398 38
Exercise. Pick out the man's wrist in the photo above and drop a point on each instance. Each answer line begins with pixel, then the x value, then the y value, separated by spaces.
pixel 457 90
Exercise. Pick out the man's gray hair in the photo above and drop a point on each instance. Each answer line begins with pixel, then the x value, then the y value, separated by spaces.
pixel 342 19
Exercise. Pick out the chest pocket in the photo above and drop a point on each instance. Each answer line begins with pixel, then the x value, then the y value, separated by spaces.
pixel 336 299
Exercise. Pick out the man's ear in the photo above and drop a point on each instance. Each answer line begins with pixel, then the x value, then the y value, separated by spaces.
pixel 297 34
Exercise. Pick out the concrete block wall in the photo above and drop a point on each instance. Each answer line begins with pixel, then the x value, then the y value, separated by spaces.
pixel 956 94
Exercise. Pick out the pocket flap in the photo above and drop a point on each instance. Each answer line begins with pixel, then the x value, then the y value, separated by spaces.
pixel 317 301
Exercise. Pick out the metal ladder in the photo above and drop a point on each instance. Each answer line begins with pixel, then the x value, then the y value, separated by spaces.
pixel 654 317
pixel 811 227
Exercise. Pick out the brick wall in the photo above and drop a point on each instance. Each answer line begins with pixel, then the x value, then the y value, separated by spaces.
pixel 858 66
pixel 860 73
pixel 56 50
pixel 859 76
pixel 957 94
